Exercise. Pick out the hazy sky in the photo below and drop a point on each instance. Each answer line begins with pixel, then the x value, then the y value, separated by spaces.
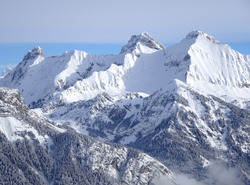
pixel 114 21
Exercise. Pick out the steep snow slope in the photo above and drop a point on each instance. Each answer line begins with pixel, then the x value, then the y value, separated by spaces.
pixel 216 63
pixel 210 67
pixel 217 69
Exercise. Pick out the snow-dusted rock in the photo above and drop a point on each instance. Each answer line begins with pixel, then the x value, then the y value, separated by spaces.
pixel 143 39
pixel 37 151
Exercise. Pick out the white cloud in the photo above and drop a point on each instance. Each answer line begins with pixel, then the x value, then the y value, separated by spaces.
pixel 179 179
pixel 217 174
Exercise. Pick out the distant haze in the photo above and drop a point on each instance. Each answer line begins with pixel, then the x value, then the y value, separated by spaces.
pixel 113 21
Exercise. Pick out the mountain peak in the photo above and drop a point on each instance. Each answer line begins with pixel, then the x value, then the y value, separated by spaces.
pixel 36 51
pixel 145 39
pixel 196 34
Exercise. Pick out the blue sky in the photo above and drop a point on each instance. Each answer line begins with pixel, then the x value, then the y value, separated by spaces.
pixel 98 26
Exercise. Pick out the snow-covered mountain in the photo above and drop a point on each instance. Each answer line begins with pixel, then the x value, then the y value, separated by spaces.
pixel 198 60
pixel 34 150
pixel 186 105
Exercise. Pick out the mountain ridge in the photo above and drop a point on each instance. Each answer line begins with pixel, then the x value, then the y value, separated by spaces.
pixel 185 105
pixel 76 69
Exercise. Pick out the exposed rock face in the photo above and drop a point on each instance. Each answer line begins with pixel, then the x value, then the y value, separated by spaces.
pixel 144 39
pixel 36 51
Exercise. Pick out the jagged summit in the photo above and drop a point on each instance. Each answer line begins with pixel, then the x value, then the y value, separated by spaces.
pixel 145 39
pixel 36 51
pixel 197 33
pixel 33 57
